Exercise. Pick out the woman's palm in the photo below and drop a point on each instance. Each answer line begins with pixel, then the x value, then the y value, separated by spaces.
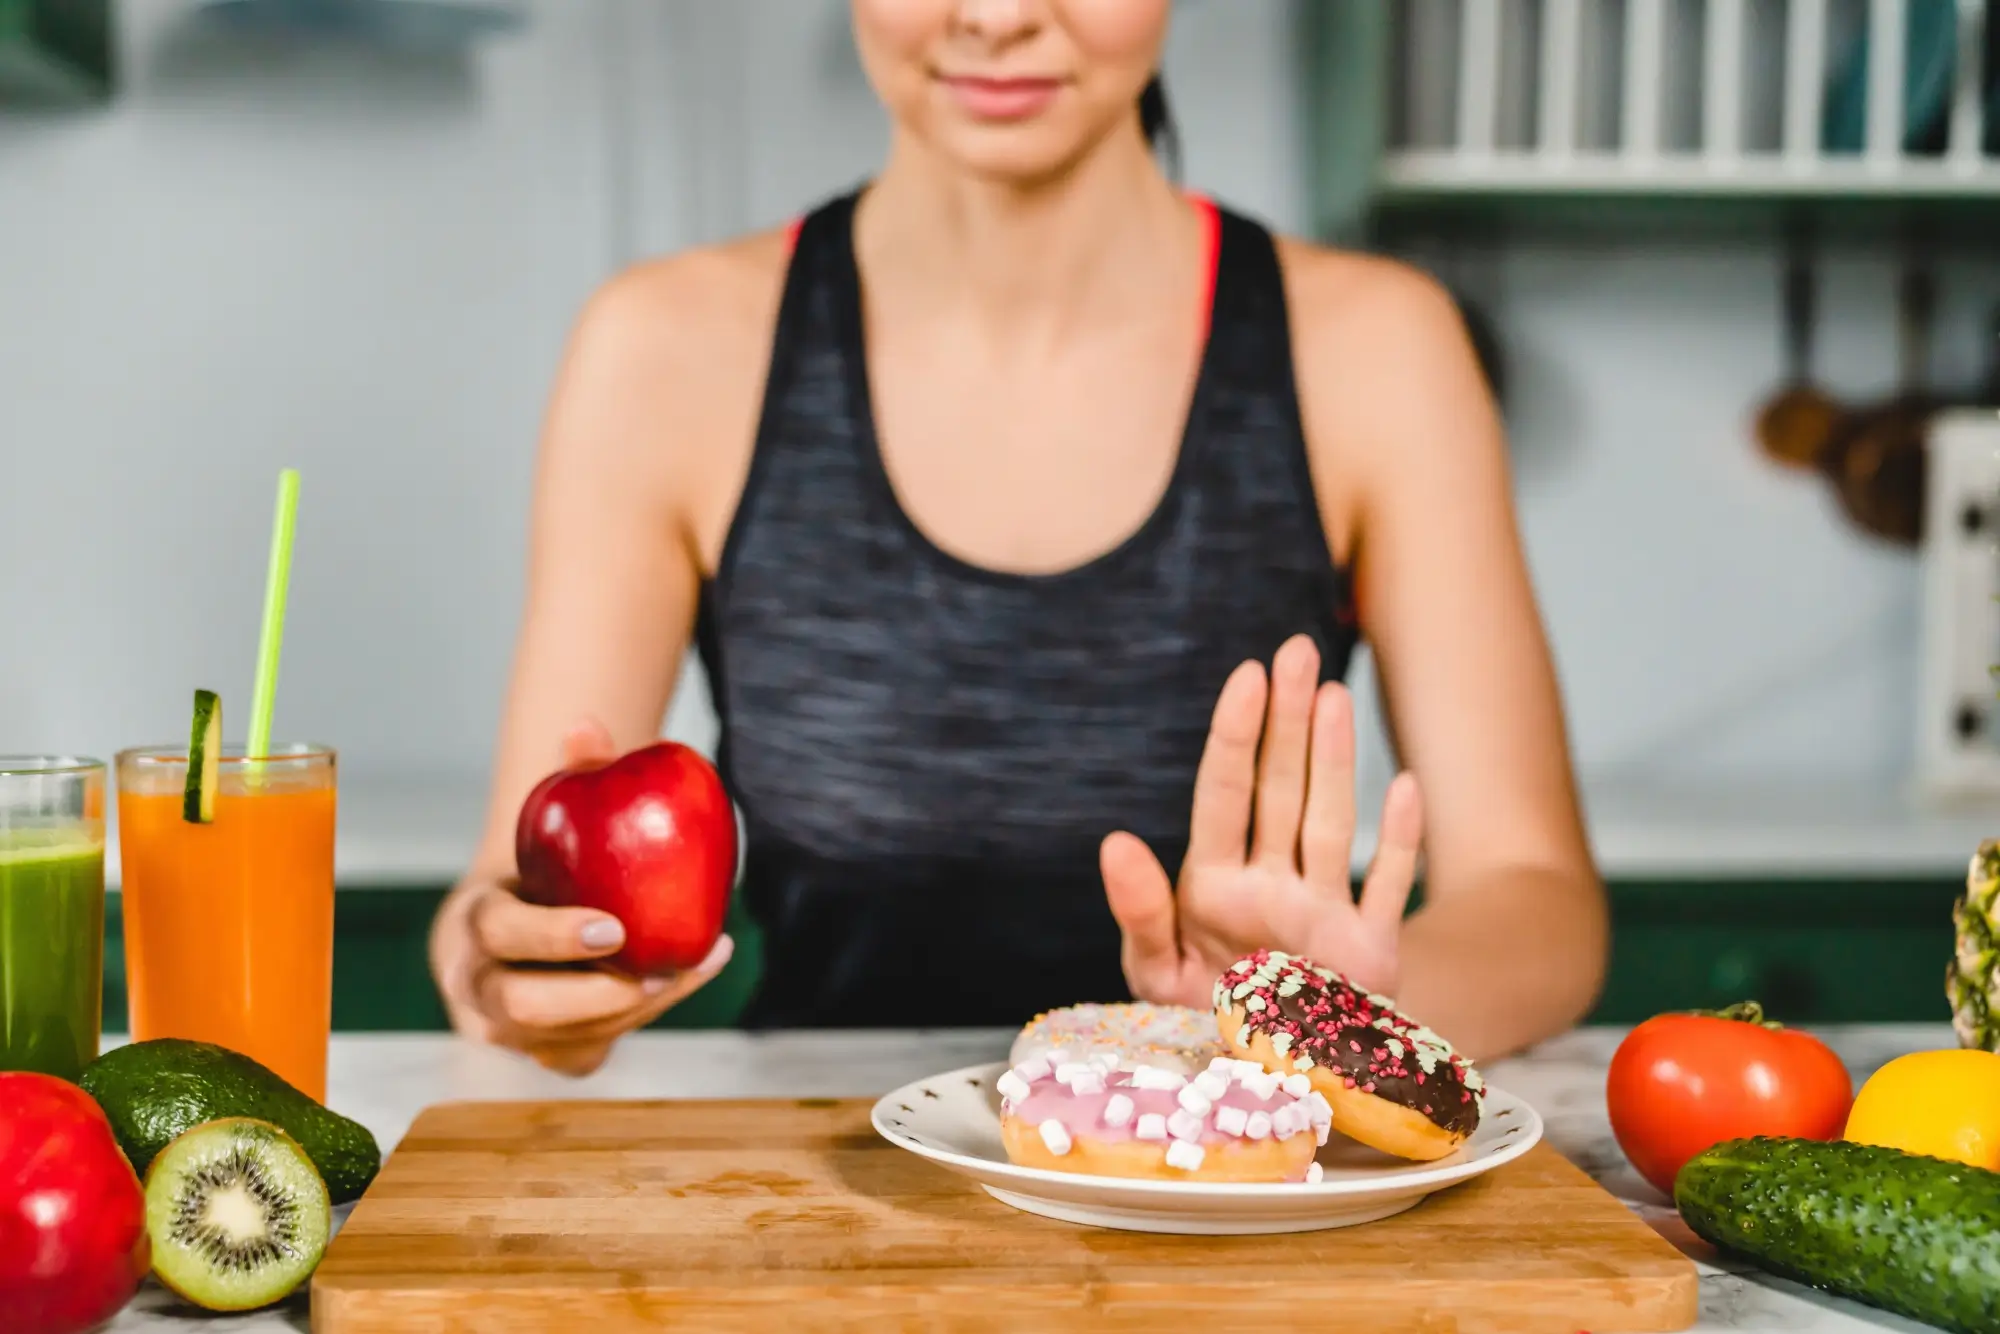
pixel 1269 848
pixel 1226 912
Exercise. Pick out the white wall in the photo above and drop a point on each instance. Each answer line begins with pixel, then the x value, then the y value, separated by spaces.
pixel 1715 617
pixel 366 270
pixel 360 268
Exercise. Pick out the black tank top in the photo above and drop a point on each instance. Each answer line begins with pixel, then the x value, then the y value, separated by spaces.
pixel 926 753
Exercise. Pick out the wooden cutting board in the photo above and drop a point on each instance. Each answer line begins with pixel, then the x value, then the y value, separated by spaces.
pixel 795 1216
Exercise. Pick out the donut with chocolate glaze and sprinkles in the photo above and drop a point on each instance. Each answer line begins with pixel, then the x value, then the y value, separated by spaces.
pixel 1394 1085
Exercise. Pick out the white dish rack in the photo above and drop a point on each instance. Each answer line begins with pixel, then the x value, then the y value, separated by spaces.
pixel 1700 97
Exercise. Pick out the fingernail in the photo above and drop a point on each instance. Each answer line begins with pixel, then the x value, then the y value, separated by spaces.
pixel 603 933
pixel 653 986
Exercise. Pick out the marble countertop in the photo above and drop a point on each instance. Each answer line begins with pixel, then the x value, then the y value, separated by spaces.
pixel 404 831
pixel 384 1081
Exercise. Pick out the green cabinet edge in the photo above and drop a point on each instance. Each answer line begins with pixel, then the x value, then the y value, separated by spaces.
pixel 381 966
pixel 1814 951
pixel 57 53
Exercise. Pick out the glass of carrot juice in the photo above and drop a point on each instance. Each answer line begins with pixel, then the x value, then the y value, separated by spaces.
pixel 229 923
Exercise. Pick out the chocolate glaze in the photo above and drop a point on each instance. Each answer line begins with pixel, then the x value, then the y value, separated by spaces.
pixel 1315 1017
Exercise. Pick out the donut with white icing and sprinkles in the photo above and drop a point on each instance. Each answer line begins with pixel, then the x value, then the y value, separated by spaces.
pixel 1394 1085
pixel 1232 1121
pixel 1176 1037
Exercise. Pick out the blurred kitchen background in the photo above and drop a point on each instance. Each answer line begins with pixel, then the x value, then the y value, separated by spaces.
pixel 350 235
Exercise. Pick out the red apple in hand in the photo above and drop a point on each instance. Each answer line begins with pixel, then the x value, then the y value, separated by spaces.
pixel 649 838
pixel 73 1242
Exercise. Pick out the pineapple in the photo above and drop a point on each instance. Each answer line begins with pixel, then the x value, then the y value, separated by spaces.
pixel 1973 979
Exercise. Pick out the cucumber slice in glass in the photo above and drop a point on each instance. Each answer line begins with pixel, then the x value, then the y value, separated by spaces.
pixel 204 757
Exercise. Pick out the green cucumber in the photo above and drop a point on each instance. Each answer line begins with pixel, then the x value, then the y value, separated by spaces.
pixel 204 759
pixel 1916 1236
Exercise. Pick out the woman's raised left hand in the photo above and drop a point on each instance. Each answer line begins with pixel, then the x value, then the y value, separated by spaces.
pixel 1269 846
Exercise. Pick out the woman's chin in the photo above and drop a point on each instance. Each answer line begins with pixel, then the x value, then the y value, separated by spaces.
pixel 1023 152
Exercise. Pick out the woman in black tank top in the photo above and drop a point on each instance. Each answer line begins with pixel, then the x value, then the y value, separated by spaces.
pixel 969 792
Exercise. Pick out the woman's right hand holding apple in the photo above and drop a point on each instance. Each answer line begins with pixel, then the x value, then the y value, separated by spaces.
pixel 508 969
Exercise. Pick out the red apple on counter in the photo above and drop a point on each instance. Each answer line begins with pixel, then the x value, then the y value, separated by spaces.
pixel 649 838
pixel 73 1244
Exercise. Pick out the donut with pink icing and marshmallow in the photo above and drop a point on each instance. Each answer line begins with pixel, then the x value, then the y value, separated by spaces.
pixel 1230 1121
pixel 1177 1037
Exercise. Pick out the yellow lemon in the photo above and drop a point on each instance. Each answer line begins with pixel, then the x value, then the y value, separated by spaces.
pixel 1942 1104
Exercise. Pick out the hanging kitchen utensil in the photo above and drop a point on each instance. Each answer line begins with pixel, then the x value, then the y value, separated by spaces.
pixel 1876 457
pixel 1989 394
pixel 1794 425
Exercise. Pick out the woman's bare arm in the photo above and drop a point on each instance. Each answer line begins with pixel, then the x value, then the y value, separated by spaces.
pixel 645 394
pixel 1410 466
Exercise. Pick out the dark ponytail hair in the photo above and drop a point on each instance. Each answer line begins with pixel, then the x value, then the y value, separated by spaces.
pixel 1156 122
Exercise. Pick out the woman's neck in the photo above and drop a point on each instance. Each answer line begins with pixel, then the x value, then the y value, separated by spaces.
pixel 1089 243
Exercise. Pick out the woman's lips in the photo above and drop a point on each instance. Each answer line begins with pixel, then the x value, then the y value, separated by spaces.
pixel 1001 99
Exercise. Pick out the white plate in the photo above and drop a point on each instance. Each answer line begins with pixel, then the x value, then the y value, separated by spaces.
pixel 953 1119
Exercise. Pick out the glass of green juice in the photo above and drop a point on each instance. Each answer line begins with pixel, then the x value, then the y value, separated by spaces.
pixel 51 912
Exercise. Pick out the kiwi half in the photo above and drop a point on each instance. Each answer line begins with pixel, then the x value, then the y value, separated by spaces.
pixel 237 1214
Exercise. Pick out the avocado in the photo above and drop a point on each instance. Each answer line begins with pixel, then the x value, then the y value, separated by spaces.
pixel 153 1091
pixel 1913 1235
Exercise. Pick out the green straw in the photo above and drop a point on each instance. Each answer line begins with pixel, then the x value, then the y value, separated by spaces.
pixel 272 640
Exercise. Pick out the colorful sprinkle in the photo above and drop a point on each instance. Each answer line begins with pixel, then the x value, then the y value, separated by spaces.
pixel 1313 1016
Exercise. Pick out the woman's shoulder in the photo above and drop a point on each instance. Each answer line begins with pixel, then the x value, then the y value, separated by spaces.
pixel 683 337
pixel 1390 387
pixel 1391 334
pixel 1349 303
pixel 693 307
pixel 659 383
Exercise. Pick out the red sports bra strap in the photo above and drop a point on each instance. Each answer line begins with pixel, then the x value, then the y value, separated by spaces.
pixel 1211 225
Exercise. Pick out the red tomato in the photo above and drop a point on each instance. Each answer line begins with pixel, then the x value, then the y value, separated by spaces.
pixel 1681 1083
